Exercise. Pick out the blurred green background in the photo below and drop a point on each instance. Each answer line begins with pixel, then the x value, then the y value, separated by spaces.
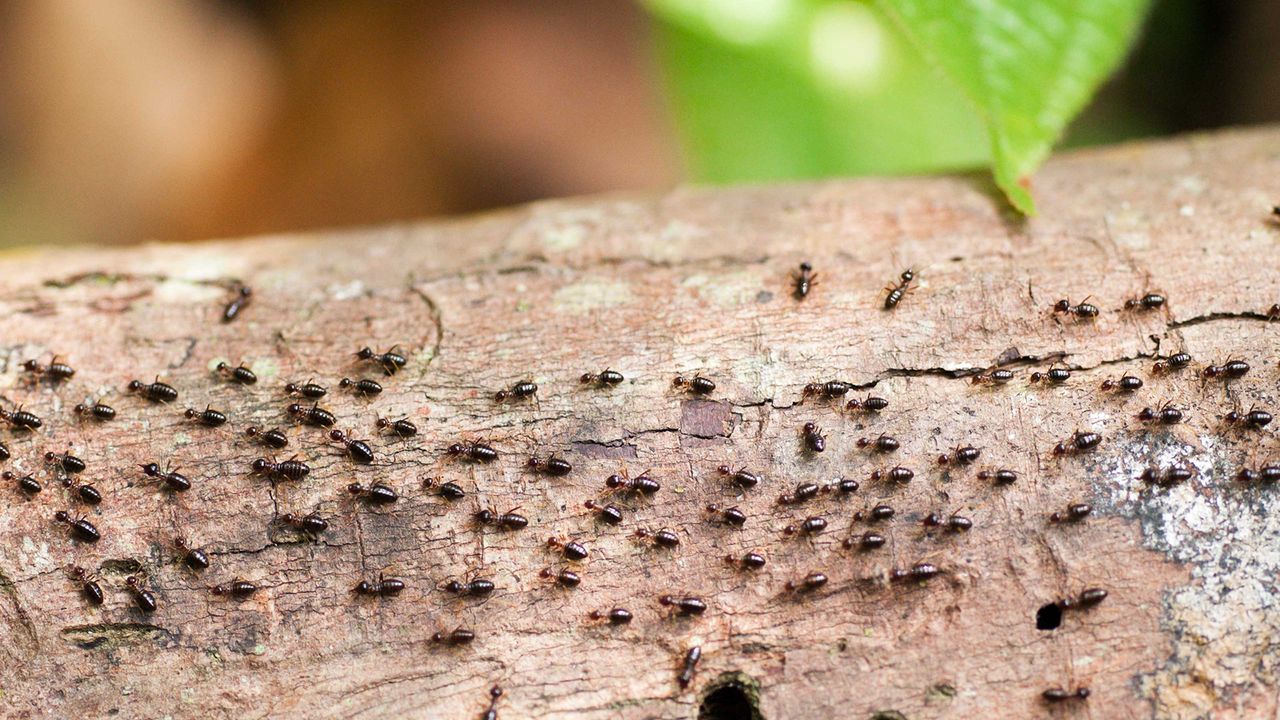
pixel 184 119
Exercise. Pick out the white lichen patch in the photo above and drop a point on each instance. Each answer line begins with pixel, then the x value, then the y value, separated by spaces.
pixel 588 295
pixel 35 556
pixel 181 292
pixel 346 291
pixel 731 290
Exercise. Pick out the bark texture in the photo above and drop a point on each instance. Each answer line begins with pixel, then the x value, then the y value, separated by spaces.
pixel 696 281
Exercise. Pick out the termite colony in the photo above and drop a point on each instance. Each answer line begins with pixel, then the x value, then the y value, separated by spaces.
pixel 366 460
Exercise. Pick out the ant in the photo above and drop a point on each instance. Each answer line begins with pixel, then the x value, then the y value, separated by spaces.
pixel 237 588
pixel 376 493
pixel 194 558
pixel 809 583
pixel 689 666
pixel 172 479
pixel 1176 361
pixel 242 374
pixel 55 371
pixel 553 465
pixel 390 361
pixel 400 428
pixel 1166 414
pixel 898 290
pixel 870 403
pixel 616 616
pixel 89 584
pixel 814 440
pixel 383 587
pixel 314 415
pixel 155 391
pixel 311 523
pixel 273 438
pixel 1126 383
pixel 662 538
pixel 1149 301
pixel 610 513
pixel 363 387
pixel 358 450
pixel 884 443
pixel 520 391
pixel 20 419
pixel 81 529
pixel 1078 442
pixel 992 377
pixel 1254 418
pixel 509 520
pixel 803 280
pixel 749 561
pixel 642 483
pixel 95 410
pixel 239 302
pixel 474 451
pixel 740 477
pixel 698 384
pixel 447 490
pixel 729 516
pixel 563 578
pixel 954 523
pixel 960 456
pixel 207 417
pixel 142 597
pixel 570 549
pixel 1082 311
pixel 307 389
pixel 1076 512
pixel 605 378
pixel 291 469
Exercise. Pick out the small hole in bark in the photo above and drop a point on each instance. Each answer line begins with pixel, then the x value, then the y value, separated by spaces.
pixel 729 700
pixel 1049 617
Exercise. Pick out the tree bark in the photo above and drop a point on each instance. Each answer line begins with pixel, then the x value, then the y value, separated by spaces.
pixel 693 282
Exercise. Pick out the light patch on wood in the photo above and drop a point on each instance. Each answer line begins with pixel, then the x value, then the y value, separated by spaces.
pixel 591 295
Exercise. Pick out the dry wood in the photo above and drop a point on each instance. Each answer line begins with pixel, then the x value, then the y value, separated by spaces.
pixel 696 281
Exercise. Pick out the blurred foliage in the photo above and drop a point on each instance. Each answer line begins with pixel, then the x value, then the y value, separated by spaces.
pixel 771 89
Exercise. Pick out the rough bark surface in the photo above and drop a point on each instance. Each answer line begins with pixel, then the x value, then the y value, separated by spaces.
pixel 696 281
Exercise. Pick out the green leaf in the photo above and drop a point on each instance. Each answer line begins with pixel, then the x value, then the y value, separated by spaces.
pixel 1028 65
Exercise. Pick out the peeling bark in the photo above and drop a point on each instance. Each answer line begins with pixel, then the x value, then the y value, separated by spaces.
pixel 696 281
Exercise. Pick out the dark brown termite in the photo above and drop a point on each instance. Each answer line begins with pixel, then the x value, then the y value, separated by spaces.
pixel 26 483
pixel 143 599
pixel 455 637
pixel 1255 418
pixel 683 605
pixel 1148 301
pixel 87 492
pixel 172 480
pixel 727 516
pixel 207 417
pixel 90 585
pixel 604 378
pixel 897 474
pixel 662 538
pixel 803 280
pixel 569 549
pixel 314 415
pixel 814 441
pixel 748 561
pixel 614 616
pixel 473 450
pixel 522 390
pixel 998 376
pixel 1002 476
pixel 447 490
pixel 552 465
pixel 1079 311
pixel 898 290
pixel 377 493
pixel 1230 370
pixel 491 713
pixel 237 589
pixel 382 587
pixel 474 587
pixel 689 666
pixel 155 391
pixel 1167 477
pixel 192 557
pixel 364 387
pixel 831 389
pixel 1078 442
pixel 954 523
pixel 1269 474
pixel 240 374
pixel 641 484
pixel 1057 694
pixel 55 371
pixel 400 428
pixel 273 438
pixel 390 361
pixel 960 456
pixel 95 410
pixel 239 301
pixel 865 541
pixel 810 526
pixel 1075 512
pixel 697 384
pixel 883 443
pixel 1126 383
pixel 311 523
pixel 1052 376
pixel 563 578
pixel 66 462
pixel 919 572
pixel 291 469
pixel 358 450
pixel 870 403
pixel 807 584
pixel 609 513
pixel 1085 600
pixel 509 520
pixel 20 419
pixel 1176 361
pixel 80 528
pixel 741 477
pixel 875 514
pixel 1166 414
pixel 307 389
pixel 802 493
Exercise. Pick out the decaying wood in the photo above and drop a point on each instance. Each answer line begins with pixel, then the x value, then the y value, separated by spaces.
pixel 696 281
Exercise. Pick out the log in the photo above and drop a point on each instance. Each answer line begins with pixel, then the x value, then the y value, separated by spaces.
pixel 694 282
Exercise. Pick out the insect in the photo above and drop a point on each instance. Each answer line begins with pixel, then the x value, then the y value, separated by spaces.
pixel 1057 694
pixel 1176 361
pixel 729 516
pixel 1078 442
pixel 866 541
pixel 95 410
pixel 314 415
pixel 570 549
pixel 920 571
pixel 1172 475
pixel 4 452
pixel 563 578
pixel 81 529
pixel 474 451
pixel 615 616
pixel 1166 414
pixel 273 438
pixel 85 491
pixel 662 538
pixel 143 599
pixel 870 403
pixel 509 520
pixel 955 523
pixel 26 483
pixel 376 493
pixel 1086 599
pixel 390 361
pixel 455 637
pixel 803 280
pixel 66 462
pixel 803 492
pixel 884 443
pixel 1254 418
pixel 89 584
pixel 240 374
pixel 310 523
pixel 610 513
pixel 238 302
pixel 960 456
pixel 1267 473
pixel 475 587
pixel 553 465
pixel 400 428
pixel 291 469
pixel 1149 301
pixel 642 483
pixel 491 713
pixel 55 371
pixel 207 417
pixel 1054 376
pixel 697 384
pixel 831 389
pixel 194 558
pixel 1003 476
pixel 237 588
pixel 813 438
pixel 20 419
pixel 683 605
pixel 604 378
pixel 740 477
pixel 1230 370
pixel 749 561
pixel 307 389
pixel 358 450
pixel 1126 383
pixel 898 474
pixel 992 377
pixel 1081 311
pixel 154 391
pixel 810 526
pixel 899 289
pixel 845 486
pixel 520 391
pixel 1273 312
pixel 809 583
pixel 447 490
pixel 363 387
pixel 689 666
pixel 383 586
pixel 877 513
pixel 1075 512
pixel 172 479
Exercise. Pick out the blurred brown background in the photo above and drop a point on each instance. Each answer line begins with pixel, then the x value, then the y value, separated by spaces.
pixel 179 119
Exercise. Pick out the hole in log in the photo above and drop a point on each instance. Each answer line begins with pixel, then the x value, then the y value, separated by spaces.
pixel 1049 617
pixel 732 697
